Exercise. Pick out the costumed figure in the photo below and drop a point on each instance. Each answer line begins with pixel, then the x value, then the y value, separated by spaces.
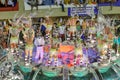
pixel 78 29
pixel 92 28
pixel 68 35
pixel 78 53
pixel 81 59
pixel 29 37
pixel 43 27
pixel 48 38
pixel 99 44
pixel 55 60
pixel 14 31
pixel 72 22
pixel 62 29
pixel 54 32
pixel 39 43
pixel 105 54
pixel 49 23
pixel 53 57
pixel 46 53
pixel 91 41
pixel 55 36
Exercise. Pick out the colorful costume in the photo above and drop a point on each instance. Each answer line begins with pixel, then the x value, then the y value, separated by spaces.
pixel 39 43
pixel 29 37
pixel 14 31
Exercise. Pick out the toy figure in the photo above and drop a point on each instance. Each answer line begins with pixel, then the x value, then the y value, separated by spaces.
pixel 47 38
pixel 14 36
pixel 43 28
pixel 29 37
pixel 53 56
pixel 92 29
pixel 39 43
pixel 72 22
pixel 14 31
pixel 68 35
pixel 55 62
pixel 54 31
pixel 62 28
pixel 91 41
pixel 105 54
pixel 78 53
pixel 49 23
pixel 78 26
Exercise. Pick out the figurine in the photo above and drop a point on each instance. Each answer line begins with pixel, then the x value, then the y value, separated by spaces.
pixel 14 31
pixel 29 37
pixel 39 43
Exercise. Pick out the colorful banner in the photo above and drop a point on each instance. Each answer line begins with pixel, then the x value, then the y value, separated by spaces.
pixel 90 10
pixel 108 3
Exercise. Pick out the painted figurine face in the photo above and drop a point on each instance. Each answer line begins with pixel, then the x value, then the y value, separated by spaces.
pixel 27 25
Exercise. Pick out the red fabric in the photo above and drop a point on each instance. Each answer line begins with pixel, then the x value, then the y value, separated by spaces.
pixel 16 8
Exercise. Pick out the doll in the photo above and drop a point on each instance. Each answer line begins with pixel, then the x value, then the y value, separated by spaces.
pixel 29 37
pixel 39 43
pixel 14 31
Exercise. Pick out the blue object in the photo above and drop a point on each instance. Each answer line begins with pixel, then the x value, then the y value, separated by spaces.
pixel 83 37
pixel 26 69
pixel 48 2
pixel 116 41
pixel 82 11
pixel 43 28
pixel 117 3
pixel 92 54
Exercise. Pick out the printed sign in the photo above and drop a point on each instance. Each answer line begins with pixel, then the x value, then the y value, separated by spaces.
pixel 90 10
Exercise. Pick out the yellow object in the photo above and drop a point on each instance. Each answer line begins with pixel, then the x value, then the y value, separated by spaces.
pixel 84 25
pixel 89 1
pixel 66 1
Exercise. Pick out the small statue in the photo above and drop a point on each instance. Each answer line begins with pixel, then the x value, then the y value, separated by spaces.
pixel 39 43
pixel 29 37
pixel 14 31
